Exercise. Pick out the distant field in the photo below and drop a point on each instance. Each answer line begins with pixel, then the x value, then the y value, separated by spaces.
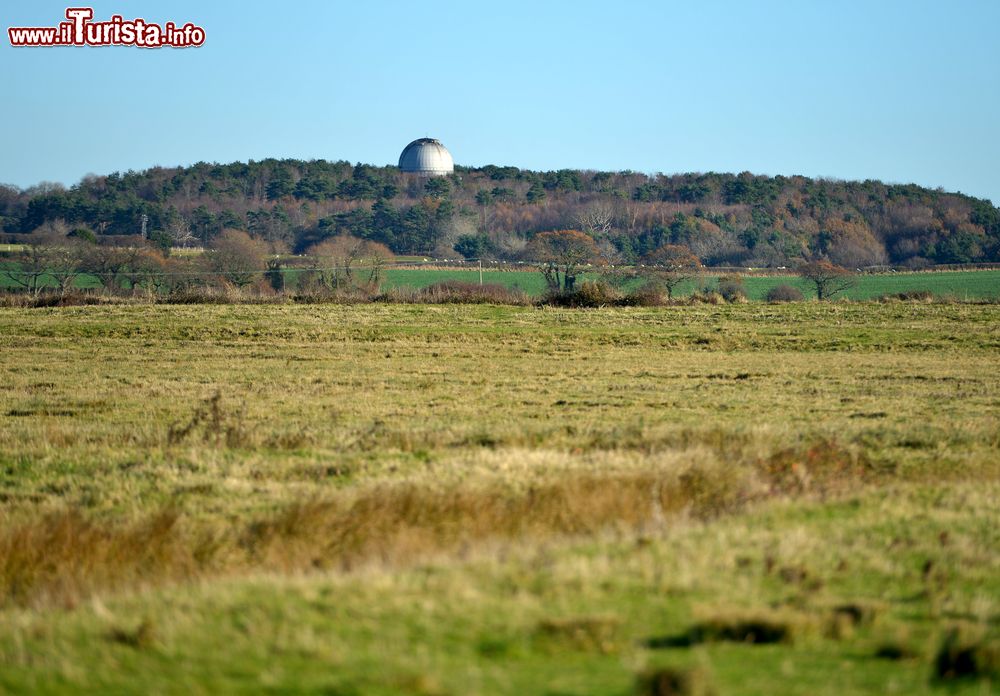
pixel 963 285
pixel 960 284
pixel 386 499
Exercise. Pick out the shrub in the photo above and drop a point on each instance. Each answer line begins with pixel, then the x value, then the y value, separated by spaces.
pixel 784 293
pixel 73 298
pixel 587 294
pixel 346 295
pixel 225 294
pixel 454 292
pixel 710 297
pixel 731 288
pixel 909 296
pixel 649 295
pixel 461 292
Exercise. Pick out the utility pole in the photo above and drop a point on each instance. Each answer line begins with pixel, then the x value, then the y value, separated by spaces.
pixel 480 271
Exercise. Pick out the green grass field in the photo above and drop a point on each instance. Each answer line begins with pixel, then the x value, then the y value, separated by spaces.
pixel 384 499
pixel 961 285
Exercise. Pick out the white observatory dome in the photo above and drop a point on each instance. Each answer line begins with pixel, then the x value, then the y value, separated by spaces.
pixel 426 156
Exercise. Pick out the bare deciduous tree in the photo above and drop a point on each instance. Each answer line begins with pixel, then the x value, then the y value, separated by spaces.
pixel 146 270
pixel 597 219
pixel 237 258
pixel 828 278
pixel 109 263
pixel 51 257
pixel 561 253
pixel 347 261
pixel 180 234
pixel 64 262
pixel 669 266
pixel 29 268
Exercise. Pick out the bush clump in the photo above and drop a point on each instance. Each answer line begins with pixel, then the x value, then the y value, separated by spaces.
pixel 649 295
pixel 909 296
pixel 587 294
pixel 709 297
pixel 784 293
pixel 732 289
pixel 462 292
pixel 75 298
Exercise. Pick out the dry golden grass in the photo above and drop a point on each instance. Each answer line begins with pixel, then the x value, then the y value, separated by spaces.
pixel 63 556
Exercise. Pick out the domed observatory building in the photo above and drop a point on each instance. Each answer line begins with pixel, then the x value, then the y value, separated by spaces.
pixel 427 157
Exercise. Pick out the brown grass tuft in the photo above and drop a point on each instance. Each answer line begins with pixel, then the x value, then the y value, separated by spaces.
pixel 965 653
pixel 824 466
pixel 142 636
pixel 670 681
pixel 212 424
pixel 897 646
pixel 587 633
pixel 740 626
pixel 858 613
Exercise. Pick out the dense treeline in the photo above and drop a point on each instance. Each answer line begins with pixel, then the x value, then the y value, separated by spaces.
pixel 492 211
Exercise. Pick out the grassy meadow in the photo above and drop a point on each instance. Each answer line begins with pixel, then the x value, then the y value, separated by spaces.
pixel 962 285
pixel 956 285
pixel 383 499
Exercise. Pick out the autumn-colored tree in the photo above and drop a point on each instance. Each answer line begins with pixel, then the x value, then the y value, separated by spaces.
pixel 146 269
pixel 347 261
pixel 237 258
pixel 175 273
pixel 829 279
pixel 561 253
pixel 669 266
pixel 850 243
pixel 724 219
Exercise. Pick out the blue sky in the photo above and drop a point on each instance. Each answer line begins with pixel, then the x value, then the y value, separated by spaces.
pixel 903 91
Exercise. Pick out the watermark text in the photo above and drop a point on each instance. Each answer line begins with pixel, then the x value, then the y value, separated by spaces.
pixel 79 29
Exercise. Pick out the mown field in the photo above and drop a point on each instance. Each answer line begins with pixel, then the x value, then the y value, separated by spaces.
pixel 759 499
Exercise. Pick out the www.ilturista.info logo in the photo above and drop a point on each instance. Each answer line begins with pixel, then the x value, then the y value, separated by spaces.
pixel 81 31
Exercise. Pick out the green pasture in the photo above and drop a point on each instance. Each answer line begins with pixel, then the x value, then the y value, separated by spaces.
pixel 961 285
pixel 964 285
pixel 416 499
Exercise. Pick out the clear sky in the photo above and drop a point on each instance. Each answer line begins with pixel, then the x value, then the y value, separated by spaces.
pixel 898 90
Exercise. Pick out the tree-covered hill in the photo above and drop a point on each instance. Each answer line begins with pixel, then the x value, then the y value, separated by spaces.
pixel 493 211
